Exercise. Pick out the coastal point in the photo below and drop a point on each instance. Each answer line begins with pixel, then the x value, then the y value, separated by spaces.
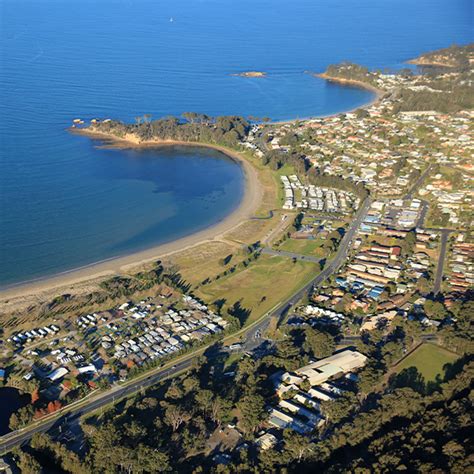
pixel 236 238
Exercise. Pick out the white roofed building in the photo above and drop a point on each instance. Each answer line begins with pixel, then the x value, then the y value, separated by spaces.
pixel 57 374
pixel 322 370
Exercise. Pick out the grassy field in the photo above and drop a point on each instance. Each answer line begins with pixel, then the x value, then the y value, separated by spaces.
pixel 203 261
pixel 251 231
pixel 429 359
pixel 260 286
pixel 270 184
pixel 285 170
pixel 198 263
pixel 304 247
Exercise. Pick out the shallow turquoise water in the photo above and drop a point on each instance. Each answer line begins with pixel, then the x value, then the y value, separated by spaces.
pixel 64 203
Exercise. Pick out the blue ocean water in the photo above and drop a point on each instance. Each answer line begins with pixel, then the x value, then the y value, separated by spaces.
pixel 64 203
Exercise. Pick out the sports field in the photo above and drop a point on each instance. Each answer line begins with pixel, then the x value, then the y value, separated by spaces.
pixel 429 359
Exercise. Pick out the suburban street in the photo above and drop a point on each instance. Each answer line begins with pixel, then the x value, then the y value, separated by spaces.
pixel 331 268
pixel 442 257
pixel 422 216
pixel 351 340
pixel 236 237
pixel 417 183
pixel 250 336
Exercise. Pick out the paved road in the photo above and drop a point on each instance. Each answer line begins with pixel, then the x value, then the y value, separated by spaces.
pixel 351 340
pixel 270 215
pixel 331 268
pixel 417 183
pixel 285 222
pixel 422 215
pixel 442 257
pixel 16 438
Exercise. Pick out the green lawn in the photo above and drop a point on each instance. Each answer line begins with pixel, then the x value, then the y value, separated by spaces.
pixel 304 247
pixel 285 170
pixel 429 359
pixel 233 358
pixel 260 286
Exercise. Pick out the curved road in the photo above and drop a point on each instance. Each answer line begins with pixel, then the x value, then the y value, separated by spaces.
pixel 84 406
pixel 270 215
pixel 330 268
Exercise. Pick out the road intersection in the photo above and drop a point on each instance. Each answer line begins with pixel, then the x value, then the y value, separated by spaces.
pixel 250 335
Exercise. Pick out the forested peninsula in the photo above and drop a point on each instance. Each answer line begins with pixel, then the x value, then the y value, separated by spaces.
pixel 446 85
pixel 225 131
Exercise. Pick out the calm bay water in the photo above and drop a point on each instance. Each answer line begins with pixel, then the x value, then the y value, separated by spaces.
pixel 65 203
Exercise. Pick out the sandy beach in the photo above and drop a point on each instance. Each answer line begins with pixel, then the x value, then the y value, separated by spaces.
pixel 89 275
pixel 379 93
pixel 85 278
pixel 352 82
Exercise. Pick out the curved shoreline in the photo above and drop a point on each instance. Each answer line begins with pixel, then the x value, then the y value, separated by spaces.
pixel 378 94
pixel 96 271
pixel 430 63
pixel 250 202
pixel 352 82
